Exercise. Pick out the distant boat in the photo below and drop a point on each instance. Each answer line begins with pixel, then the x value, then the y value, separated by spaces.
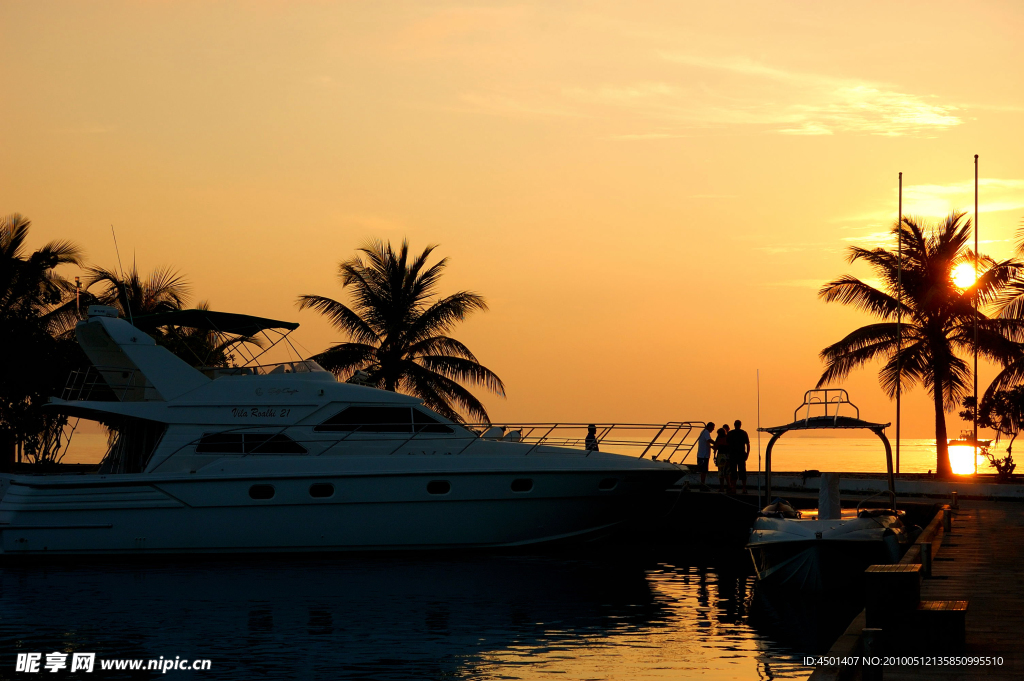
pixel 966 439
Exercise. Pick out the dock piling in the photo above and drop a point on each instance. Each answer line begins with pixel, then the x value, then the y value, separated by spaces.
pixel 947 520
pixel 954 503
pixel 873 647
pixel 926 558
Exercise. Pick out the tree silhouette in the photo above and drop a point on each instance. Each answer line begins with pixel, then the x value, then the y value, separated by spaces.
pixel 938 318
pixel 399 330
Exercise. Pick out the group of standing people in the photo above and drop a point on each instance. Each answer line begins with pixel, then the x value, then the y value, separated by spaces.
pixel 731 447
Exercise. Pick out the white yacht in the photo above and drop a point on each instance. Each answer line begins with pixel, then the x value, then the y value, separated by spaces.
pixel 286 458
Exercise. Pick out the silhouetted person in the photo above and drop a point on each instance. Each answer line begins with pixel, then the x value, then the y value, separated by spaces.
pixel 722 456
pixel 739 449
pixel 590 443
pixel 704 452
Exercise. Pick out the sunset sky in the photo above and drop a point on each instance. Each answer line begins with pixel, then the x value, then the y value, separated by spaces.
pixel 649 195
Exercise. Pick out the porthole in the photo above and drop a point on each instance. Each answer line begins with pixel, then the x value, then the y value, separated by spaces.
pixel 439 487
pixel 261 491
pixel 321 490
pixel 522 485
pixel 608 484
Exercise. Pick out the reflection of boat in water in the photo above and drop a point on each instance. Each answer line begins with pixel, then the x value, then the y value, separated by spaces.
pixel 824 549
pixel 285 458
pixel 371 617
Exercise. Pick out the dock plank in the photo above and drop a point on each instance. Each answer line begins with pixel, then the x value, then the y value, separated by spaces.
pixel 983 564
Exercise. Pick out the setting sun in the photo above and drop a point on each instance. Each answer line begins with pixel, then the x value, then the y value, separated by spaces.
pixel 963 275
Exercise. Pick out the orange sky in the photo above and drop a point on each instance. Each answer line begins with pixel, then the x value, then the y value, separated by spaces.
pixel 649 197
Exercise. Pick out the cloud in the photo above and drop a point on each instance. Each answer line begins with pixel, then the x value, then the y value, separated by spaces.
pixel 933 201
pixel 939 200
pixel 815 104
pixel 741 92
pixel 815 284
pixel 646 136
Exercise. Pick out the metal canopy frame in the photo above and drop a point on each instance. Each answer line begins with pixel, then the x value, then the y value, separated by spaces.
pixel 826 398
pixel 241 325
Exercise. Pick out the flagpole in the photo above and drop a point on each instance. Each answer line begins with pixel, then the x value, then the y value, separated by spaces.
pixel 899 318
pixel 759 439
pixel 977 406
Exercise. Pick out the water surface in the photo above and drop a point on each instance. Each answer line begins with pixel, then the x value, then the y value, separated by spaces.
pixel 607 614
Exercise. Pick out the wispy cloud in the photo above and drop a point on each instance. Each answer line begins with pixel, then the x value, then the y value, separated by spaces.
pixel 816 104
pixel 939 200
pixel 775 249
pixel 742 92
pixel 815 284
pixel 936 200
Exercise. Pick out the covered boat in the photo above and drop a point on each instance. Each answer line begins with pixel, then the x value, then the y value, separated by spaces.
pixel 822 549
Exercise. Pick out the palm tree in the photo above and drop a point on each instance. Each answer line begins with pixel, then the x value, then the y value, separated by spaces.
pixel 164 291
pixel 938 318
pixel 30 286
pixel 37 305
pixel 399 330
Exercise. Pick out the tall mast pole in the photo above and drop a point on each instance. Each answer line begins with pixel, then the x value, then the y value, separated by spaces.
pixel 977 407
pixel 899 318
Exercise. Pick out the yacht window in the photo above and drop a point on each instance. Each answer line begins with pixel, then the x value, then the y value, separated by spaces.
pixel 428 424
pixel 439 487
pixel 522 485
pixel 267 443
pixel 248 443
pixel 220 443
pixel 321 490
pixel 261 491
pixel 370 420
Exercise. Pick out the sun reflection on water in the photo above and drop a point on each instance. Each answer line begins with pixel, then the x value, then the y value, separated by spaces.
pixel 961 459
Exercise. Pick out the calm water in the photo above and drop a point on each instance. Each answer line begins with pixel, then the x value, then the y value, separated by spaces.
pixel 466 616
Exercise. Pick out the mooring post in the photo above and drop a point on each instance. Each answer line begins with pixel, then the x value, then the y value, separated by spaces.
pixel 947 521
pixel 926 558
pixel 955 504
pixel 872 649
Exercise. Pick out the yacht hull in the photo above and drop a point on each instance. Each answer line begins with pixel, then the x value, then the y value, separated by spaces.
pixel 821 555
pixel 144 514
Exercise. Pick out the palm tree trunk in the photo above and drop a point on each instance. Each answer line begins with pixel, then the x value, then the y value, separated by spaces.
pixel 942 467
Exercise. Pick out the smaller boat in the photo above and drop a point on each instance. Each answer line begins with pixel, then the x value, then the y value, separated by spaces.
pixel 967 439
pixel 823 551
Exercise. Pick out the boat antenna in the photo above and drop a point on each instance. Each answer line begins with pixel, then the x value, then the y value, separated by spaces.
pixel 124 289
pixel 759 439
pixel 899 318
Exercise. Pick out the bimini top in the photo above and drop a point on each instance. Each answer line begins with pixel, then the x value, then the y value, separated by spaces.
pixel 825 398
pixel 222 322
pixel 814 422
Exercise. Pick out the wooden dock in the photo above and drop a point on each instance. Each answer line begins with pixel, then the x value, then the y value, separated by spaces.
pixel 980 561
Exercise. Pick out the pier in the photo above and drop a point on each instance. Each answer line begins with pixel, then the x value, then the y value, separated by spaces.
pixel 980 561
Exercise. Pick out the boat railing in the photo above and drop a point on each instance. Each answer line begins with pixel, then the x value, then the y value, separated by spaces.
pixel 662 441
pixel 825 398
pixel 671 442
pixel 106 383
pixel 306 366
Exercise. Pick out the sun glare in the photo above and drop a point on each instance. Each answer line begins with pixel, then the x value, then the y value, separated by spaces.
pixel 961 459
pixel 963 275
